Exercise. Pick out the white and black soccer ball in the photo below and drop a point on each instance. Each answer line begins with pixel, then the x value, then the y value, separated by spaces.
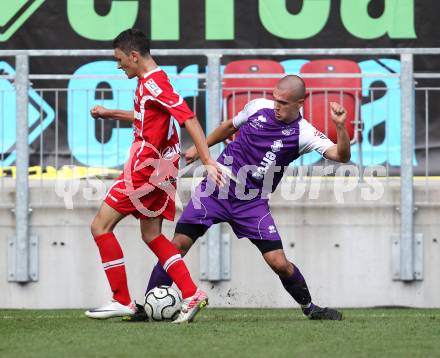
pixel 162 303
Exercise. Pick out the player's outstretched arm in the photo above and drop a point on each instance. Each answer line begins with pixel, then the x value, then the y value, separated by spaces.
pixel 223 131
pixel 116 114
pixel 196 132
pixel 341 151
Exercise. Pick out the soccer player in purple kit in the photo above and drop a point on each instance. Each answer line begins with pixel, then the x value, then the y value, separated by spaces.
pixel 272 135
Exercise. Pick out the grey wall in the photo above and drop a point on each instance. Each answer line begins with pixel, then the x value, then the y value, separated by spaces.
pixel 343 250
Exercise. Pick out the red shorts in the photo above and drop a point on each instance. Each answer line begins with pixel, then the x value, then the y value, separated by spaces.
pixel 128 198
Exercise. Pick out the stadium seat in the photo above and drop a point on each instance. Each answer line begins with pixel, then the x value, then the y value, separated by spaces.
pixel 321 91
pixel 239 91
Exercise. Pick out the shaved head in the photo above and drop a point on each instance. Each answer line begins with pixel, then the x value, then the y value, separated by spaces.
pixel 288 96
pixel 294 85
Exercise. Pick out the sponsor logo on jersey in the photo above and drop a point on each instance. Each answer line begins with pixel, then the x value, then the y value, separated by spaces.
pixel 287 131
pixel 171 152
pixel 137 131
pixel 320 134
pixel 256 125
pixel 277 145
pixel 264 166
pixel 152 86
pixel 256 122
pixel 272 229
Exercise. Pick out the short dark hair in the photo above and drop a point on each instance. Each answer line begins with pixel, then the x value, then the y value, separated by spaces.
pixel 132 40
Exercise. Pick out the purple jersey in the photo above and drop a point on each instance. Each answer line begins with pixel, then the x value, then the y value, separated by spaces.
pixel 264 143
pixel 266 146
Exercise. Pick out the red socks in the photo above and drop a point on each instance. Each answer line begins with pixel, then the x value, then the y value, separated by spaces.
pixel 169 257
pixel 113 261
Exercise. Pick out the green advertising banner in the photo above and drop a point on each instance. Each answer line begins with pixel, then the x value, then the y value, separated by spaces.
pixel 62 131
pixel 219 24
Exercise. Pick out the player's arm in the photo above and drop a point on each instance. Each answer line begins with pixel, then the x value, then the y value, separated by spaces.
pixel 116 114
pixel 223 131
pixel 198 137
pixel 160 90
pixel 339 152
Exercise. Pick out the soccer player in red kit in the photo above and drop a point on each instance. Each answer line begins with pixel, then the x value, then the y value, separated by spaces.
pixel 147 185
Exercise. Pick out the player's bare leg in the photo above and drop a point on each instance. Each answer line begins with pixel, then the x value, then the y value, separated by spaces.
pixel 171 260
pixel 105 220
pixel 113 262
pixel 295 284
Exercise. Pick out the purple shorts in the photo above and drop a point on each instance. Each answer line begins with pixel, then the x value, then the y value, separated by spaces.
pixel 248 218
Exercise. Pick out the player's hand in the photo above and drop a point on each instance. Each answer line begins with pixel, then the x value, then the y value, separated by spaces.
pixel 191 155
pixel 338 113
pixel 98 112
pixel 214 172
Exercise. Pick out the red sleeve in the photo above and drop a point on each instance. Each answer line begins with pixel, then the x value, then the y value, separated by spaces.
pixel 163 93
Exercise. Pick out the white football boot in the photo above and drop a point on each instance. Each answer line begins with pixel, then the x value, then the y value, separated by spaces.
pixel 112 309
pixel 191 306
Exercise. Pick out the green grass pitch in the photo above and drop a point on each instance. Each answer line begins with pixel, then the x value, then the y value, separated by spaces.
pixel 223 333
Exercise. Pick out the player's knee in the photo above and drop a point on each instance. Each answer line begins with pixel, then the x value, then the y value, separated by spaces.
pixel 151 229
pixel 183 250
pixel 280 265
pixel 97 227
pixel 182 243
pixel 147 237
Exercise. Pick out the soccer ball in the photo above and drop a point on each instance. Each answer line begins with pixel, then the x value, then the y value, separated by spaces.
pixel 162 303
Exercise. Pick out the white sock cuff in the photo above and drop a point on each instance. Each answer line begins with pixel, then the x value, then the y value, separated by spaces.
pixel 172 260
pixel 114 263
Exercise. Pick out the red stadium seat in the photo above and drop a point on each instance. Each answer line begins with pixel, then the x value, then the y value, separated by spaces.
pixel 320 91
pixel 239 91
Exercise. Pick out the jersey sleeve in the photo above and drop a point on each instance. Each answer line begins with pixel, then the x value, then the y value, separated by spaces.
pixel 311 139
pixel 249 109
pixel 241 118
pixel 161 91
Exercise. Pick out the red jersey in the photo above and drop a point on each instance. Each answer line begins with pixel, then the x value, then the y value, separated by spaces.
pixel 155 103
pixel 145 188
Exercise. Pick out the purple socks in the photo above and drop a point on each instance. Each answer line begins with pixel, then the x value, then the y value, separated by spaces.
pixel 158 277
pixel 297 288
